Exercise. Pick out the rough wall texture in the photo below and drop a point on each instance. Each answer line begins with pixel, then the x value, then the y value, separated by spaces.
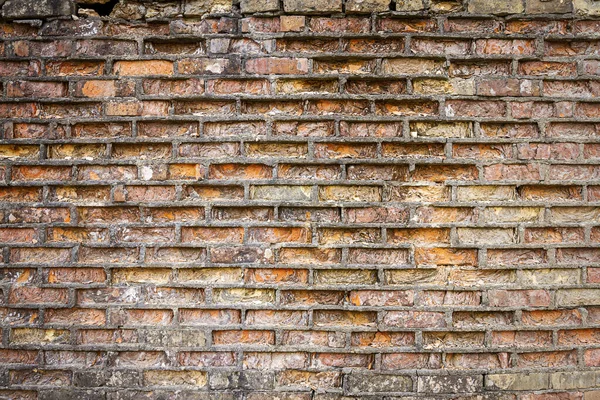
pixel 305 200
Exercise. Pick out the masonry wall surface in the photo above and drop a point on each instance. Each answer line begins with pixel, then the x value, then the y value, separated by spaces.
pixel 300 200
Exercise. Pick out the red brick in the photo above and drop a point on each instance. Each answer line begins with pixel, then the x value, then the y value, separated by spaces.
pixel 276 206
pixel 505 46
pixel 149 67
pixel 35 295
pixel 407 25
pixel 36 89
pixel 267 66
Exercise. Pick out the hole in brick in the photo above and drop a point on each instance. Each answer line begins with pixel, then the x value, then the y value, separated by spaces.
pixel 105 9
pixel 520 191
pixel 392 5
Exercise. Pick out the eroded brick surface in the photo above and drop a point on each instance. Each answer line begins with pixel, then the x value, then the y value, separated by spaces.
pixel 299 200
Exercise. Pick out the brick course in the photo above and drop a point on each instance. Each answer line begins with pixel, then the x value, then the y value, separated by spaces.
pixel 300 200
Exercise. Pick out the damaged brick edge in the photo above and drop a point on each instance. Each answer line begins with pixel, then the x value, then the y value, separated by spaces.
pixel 147 9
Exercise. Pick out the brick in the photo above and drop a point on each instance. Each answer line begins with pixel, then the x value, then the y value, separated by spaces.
pixel 521 339
pixel 502 7
pixel 382 339
pixel 60 110
pixel 512 298
pixel 310 6
pixel 343 66
pixel 358 6
pixel 137 68
pixel 448 298
pixel 268 66
pixel 481 319
pixel 137 108
pixel 504 46
pixel 585 7
pixel 539 7
pixel 313 297
pixel 278 318
pixel 437 340
pixel 372 86
pixel 530 381
pixel 243 296
pixel 577 297
pixel 449 384
pixel 344 318
pixel 309 379
pixel 281 192
pixel 35 295
pixel 240 171
pixel 464 108
pixel 407 108
pixel 212 66
pixel 62 317
pixel 538 68
pixel 346 193
pixel 176 87
pixel 551 276
pixel 342 276
pixel 362 383
pixel 200 7
pixel 168 47
pixel 175 378
pixel 558 317
pixel 37 89
pixel 327 150
pixel 286 107
pixel 292 23
pixel 348 236
pixel 584 380
pixel 45 336
pixel 414 319
pixel 384 298
pixel 228 129
pixel 343 360
pixel 76 275
pixel 443 256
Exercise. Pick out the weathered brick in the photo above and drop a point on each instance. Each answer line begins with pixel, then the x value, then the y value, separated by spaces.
pixel 577 297
pixel 287 201
pixel 362 383
pixel 449 384
pixel 528 381
pixel 140 68
pixel 311 6
pixel 175 378
pixel 268 66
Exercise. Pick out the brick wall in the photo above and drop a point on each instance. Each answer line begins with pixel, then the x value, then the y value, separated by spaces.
pixel 296 201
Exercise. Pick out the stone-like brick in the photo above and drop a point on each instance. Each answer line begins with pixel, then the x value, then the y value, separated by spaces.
pixel 582 380
pixel 586 7
pixel 577 297
pixel 366 6
pixel 523 381
pixel 548 7
pixel 311 6
pixel 201 7
pixel 499 7
pixel 449 384
pixel 373 383
pixel 252 6
pixel 15 9
pixel 175 378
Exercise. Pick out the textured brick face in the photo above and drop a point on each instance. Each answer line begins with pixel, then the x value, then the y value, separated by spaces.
pixel 300 200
